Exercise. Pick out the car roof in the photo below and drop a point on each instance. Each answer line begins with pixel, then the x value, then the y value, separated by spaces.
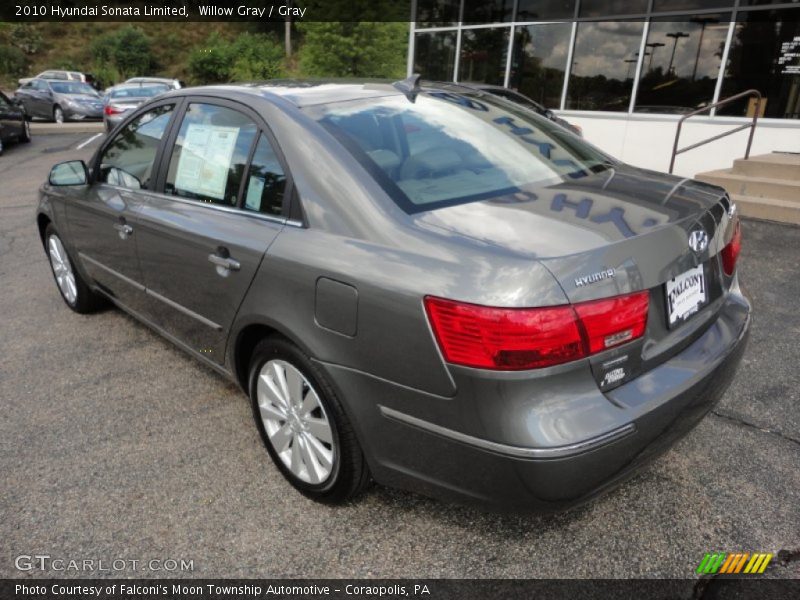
pixel 136 84
pixel 304 93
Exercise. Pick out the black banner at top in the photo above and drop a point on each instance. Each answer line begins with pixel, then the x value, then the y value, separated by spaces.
pixel 67 11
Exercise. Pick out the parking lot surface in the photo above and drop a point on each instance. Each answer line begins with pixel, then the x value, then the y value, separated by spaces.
pixel 116 445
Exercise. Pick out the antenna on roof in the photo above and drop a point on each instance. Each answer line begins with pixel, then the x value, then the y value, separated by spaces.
pixel 409 86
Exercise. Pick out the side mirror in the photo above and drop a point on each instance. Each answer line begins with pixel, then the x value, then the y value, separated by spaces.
pixel 549 114
pixel 73 172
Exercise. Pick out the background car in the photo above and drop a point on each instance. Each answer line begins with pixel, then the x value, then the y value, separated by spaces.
pixel 56 74
pixel 174 84
pixel 14 126
pixel 59 101
pixel 121 98
pixel 521 99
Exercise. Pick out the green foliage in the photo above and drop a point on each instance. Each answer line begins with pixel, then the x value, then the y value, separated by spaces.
pixel 127 50
pixel 368 49
pixel 248 57
pixel 211 62
pixel 26 37
pixel 13 61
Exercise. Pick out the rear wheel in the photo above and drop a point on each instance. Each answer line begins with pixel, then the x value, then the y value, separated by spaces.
pixel 303 425
pixel 78 296
pixel 58 114
pixel 26 131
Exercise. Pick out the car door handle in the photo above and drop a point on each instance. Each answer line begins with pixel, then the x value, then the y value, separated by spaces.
pixel 124 230
pixel 225 263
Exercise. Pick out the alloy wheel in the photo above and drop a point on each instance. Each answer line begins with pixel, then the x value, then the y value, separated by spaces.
pixel 295 422
pixel 62 269
pixel 58 115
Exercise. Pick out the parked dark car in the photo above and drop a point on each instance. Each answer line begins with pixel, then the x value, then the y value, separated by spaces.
pixel 521 99
pixel 124 97
pixel 14 125
pixel 59 101
pixel 433 288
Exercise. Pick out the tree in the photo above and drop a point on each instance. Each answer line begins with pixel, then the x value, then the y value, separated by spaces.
pixel 127 50
pixel 249 57
pixel 344 49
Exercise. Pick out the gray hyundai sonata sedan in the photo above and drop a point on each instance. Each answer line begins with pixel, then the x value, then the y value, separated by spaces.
pixel 430 288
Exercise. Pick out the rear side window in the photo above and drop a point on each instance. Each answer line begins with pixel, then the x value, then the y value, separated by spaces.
pixel 266 181
pixel 210 154
pixel 128 160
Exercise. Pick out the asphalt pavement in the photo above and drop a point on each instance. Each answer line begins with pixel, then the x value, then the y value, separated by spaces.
pixel 117 446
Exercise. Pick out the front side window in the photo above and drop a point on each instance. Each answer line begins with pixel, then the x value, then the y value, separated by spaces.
pixel 266 181
pixel 448 148
pixel 210 154
pixel 128 160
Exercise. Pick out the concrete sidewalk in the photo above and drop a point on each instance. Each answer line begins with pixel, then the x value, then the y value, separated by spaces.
pixel 45 128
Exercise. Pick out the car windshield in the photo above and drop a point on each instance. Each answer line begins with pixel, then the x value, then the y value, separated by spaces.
pixel 72 87
pixel 139 91
pixel 447 148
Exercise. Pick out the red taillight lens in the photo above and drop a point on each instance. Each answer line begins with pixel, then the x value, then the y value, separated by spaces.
pixel 730 253
pixel 111 110
pixel 512 339
pixel 613 321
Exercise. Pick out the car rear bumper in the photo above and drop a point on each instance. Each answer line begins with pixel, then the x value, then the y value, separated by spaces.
pixel 433 445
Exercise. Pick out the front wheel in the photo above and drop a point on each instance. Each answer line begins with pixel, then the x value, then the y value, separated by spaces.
pixel 302 423
pixel 78 296
pixel 58 114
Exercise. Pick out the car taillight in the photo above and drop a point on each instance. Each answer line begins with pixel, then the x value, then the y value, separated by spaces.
pixel 513 339
pixel 112 110
pixel 730 253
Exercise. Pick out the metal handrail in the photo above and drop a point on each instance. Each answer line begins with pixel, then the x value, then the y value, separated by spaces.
pixel 751 125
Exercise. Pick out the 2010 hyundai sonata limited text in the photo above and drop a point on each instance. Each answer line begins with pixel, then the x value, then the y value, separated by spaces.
pixel 435 289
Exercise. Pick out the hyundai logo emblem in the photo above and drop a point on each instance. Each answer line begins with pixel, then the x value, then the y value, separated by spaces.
pixel 698 240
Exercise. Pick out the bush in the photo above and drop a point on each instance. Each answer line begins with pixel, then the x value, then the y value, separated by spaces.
pixel 127 50
pixel 26 38
pixel 334 49
pixel 12 61
pixel 248 57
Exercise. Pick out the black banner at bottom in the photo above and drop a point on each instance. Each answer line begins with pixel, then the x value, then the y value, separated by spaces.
pixel 717 588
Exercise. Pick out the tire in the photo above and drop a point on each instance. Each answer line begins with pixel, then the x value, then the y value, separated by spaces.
pixel 26 132
pixel 288 437
pixel 58 114
pixel 73 289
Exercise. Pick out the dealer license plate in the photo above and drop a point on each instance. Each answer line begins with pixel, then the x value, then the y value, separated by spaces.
pixel 686 294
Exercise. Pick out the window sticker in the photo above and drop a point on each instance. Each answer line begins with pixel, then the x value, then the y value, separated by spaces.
pixel 205 159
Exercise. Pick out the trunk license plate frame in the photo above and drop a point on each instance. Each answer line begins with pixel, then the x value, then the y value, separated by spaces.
pixel 685 295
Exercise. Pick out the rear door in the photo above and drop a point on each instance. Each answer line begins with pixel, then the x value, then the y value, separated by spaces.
pixel 103 222
pixel 202 236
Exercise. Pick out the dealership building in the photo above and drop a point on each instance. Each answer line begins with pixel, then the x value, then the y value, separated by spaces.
pixel 626 70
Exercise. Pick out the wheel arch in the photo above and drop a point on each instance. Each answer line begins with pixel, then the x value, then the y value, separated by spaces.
pixel 245 341
pixel 42 221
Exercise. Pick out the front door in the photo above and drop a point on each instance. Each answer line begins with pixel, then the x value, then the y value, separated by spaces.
pixel 202 238
pixel 103 221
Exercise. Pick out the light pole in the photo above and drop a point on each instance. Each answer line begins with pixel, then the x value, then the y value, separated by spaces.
pixel 655 46
pixel 676 36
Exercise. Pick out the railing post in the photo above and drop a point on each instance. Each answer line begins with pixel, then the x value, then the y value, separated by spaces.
pixel 756 112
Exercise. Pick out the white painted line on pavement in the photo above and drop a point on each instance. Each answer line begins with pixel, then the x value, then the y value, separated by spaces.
pixel 87 142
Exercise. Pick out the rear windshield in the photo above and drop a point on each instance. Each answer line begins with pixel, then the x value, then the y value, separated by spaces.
pixel 72 87
pixel 144 91
pixel 446 148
